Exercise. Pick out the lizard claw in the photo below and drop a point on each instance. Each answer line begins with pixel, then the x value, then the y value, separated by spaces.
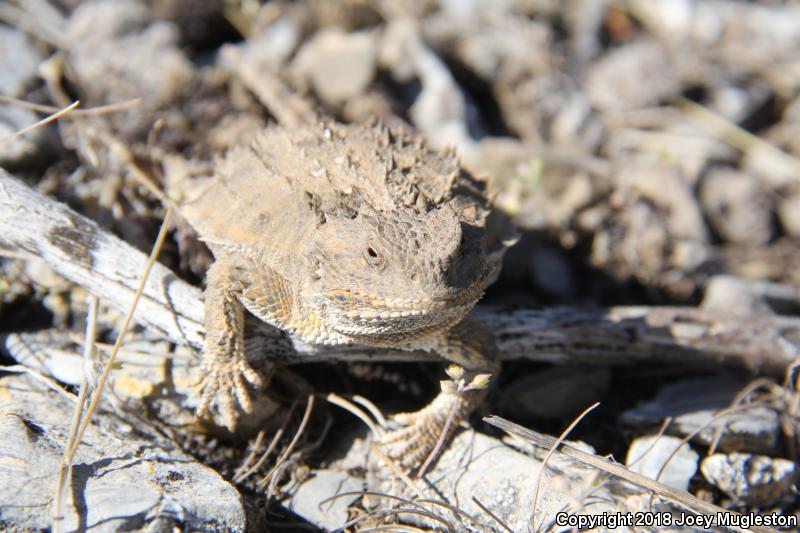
pixel 415 445
pixel 421 431
pixel 230 383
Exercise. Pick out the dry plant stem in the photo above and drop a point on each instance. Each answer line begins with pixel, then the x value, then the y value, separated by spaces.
pixel 46 120
pixel 393 529
pixel 250 456
pixel 737 402
pixel 383 513
pixel 490 513
pixel 123 153
pixel 293 443
pixel 66 463
pixel 550 453
pixel 396 470
pixel 91 111
pixel 239 477
pixel 162 234
pixel 107 348
pixel 455 510
pixel 664 425
pixel 385 495
pixel 790 380
pixel 442 436
pixel 243 474
pixel 335 399
pixel 684 499
pixel 372 408
pixel 416 503
pixel 718 416
pixel 404 529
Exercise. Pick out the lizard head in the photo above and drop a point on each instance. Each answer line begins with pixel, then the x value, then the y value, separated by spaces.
pixel 399 272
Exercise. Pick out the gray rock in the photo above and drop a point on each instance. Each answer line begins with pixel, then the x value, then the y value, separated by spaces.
pixel 307 500
pixel 733 295
pixel 789 213
pixel 19 61
pixel 737 207
pixel 148 377
pixel 752 479
pixel 338 65
pixel 632 76
pixel 120 479
pixel 477 466
pixel 648 455
pixel 551 271
pixel 693 403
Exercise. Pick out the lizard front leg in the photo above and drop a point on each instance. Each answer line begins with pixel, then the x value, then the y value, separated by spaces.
pixel 471 346
pixel 225 370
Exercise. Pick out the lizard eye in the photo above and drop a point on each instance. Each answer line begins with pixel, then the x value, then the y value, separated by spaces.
pixel 372 257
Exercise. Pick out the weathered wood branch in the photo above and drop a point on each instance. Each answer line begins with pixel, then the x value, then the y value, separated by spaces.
pixel 78 249
pixel 81 251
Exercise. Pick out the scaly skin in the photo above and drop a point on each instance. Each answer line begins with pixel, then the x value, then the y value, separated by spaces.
pixel 348 234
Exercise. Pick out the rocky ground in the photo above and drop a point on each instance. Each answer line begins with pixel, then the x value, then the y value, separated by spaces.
pixel 647 150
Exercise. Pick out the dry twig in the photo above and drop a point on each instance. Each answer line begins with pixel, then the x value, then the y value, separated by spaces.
pixel 684 499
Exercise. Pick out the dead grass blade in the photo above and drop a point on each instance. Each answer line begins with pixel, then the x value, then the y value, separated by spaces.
pixel 306 415
pixel 162 234
pixel 86 379
pixel 550 453
pixel 246 471
pixel 398 529
pixel 82 418
pixel 684 499
pixel 440 441
pixel 383 513
pixel 372 408
pixel 717 416
pixel 337 400
pixel 396 470
pixel 490 513
pixel 417 503
pixel 664 425
pixel 89 111
pixel 46 120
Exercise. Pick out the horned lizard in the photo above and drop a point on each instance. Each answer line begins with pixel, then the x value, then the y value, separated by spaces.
pixel 347 234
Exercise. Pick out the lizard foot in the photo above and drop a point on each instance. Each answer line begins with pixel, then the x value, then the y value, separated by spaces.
pixel 230 382
pixel 421 432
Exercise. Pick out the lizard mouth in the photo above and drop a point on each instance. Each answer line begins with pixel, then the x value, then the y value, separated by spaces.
pixel 360 314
